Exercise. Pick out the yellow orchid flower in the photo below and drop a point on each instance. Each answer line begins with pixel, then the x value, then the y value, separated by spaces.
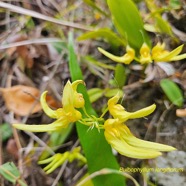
pixel 159 54
pixel 145 56
pixel 122 140
pixel 71 100
pixel 126 58
pixel 58 159
pixel 118 111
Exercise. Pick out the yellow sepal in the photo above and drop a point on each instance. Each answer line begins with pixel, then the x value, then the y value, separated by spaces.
pixel 126 58
pixel 145 56
pixel 49 112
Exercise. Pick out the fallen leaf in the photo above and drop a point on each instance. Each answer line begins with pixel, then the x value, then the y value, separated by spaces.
pixel 24 100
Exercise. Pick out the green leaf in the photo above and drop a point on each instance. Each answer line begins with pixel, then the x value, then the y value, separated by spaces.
pixel 5 131
pixel 10 172
pixel 163 25
pixel 120 75
pixel 172 91
pixel 94 94
pixel 175 4
pixel 128 22
pixel 97 151
pixel 103 33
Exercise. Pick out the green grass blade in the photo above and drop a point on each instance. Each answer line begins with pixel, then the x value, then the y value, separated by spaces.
pixel 95 147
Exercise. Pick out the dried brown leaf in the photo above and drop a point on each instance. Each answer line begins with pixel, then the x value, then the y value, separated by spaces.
pixel 24 100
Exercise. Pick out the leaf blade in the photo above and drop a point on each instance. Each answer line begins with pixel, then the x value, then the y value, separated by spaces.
pixel 172 91
pixel 96 149
pixel 128 22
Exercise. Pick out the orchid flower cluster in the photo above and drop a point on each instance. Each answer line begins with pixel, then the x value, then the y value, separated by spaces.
pixel 157 54
pixel 116 132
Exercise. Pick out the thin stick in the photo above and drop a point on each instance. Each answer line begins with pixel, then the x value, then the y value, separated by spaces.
pixel 40 41
pixel 24 11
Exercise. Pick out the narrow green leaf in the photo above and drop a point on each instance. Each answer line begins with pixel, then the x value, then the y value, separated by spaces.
pixel 120 75
pixel 172 91
pixel 103 33
pixel 10 172
pixel 94 94
pixel 163 25
pixel 95 147
pixel 128 22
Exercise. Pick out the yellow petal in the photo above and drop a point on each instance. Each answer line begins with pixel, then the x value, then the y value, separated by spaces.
pixel 71 98
pixel 168 56
pixel 76 83
pixel 132 140
pixel 118 111
pixel 58 124
pixel 113 101
pixel 73 116
pixel 79 101
pixel 51 113
pixel 68 99
pixel 145 56
pixel 158 50
pixel 126 58
pixel 138 114
pixel 179 57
